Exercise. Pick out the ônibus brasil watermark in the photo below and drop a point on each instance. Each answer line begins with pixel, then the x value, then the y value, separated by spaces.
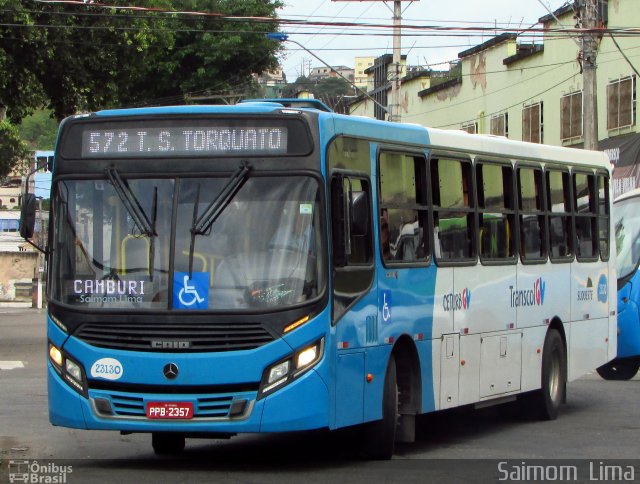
pixel 32 471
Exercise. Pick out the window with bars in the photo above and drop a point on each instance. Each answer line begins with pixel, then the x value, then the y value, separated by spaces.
pixel 621 103
pixel 471 127
pixel 499 125
pixel 571 116
pixel 532 125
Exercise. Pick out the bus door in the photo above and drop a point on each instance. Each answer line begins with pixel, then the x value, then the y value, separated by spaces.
pixel 354 295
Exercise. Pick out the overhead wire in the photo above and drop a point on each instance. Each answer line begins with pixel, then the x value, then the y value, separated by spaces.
pixel 433 30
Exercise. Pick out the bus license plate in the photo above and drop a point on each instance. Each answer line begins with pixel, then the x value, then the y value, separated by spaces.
pixel 181 410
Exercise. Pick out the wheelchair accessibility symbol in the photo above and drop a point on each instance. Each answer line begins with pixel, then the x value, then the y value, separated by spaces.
pixel 191 292
pixel 385 307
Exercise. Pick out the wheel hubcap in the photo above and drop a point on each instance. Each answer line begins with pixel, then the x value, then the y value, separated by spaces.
pixel 554 378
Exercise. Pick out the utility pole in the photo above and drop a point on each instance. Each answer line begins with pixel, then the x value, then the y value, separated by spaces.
pixel 393 108
pixel 590 22
pixel 396 68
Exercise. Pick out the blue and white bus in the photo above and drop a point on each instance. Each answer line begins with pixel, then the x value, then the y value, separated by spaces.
pixel 626 222
pixel 216 270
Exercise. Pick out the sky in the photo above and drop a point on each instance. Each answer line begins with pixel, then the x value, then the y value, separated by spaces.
pixel 338 45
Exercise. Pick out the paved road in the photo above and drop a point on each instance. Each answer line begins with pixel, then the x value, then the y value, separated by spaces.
pixel 600 421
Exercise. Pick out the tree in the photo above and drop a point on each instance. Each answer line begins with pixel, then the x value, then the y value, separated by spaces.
pixel 73 58
pixel 12 149
pixel 83 57
pixel 39 130
pixel 302 83
pixel 331 90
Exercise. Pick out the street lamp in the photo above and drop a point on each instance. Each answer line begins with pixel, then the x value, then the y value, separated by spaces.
pixel 282 37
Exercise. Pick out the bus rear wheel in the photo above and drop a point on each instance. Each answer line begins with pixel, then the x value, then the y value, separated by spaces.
pixel 619 370
pixel 545 403
pixel 379 437
pixel 167 443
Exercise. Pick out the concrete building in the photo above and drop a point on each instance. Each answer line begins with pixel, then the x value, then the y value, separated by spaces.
pixel 533 92
pixel 21 263
pixel 324 72
pixel 360 77
pixel 273 82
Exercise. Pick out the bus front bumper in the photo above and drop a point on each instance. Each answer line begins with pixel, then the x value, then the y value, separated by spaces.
pixel 301 405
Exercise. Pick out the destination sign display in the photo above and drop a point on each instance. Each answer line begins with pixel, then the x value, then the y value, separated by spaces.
pixel 218 140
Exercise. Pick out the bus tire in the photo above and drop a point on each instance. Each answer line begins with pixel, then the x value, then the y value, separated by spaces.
pixel 546 401
pixel 167 443
pixel 379 437
pixel 619 370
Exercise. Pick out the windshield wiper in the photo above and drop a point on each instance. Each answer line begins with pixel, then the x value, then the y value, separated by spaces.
pixel 131 203
pixel 201 225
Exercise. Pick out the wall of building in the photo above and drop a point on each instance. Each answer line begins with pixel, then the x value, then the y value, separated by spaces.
pixel 489 85
pixel 17 270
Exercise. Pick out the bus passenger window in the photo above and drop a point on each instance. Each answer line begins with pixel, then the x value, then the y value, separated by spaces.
pixel 603 216
pixel 403 207
pixel 454 226
pixel 532 225
pixel 585 216
pixel 559 209
pixel 496 206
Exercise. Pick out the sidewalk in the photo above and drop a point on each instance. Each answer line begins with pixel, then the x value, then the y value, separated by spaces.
pixel 15 304
pixel 20 309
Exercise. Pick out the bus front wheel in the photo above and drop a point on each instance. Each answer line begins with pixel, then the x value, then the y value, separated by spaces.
pixel 619 370
pixel 379 437
pixel 167 443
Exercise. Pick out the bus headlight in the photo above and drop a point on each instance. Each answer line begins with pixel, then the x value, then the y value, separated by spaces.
pixel 284 371
pixel 56 356
pixel 73 370
pixel 278 372
pixel 69 370
pixel 307 356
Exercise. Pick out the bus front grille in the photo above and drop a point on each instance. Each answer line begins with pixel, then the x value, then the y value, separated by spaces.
pixel 217 406
pixel 175 337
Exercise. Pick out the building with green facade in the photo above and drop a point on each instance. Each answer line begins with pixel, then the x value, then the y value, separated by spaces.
pixel 533 91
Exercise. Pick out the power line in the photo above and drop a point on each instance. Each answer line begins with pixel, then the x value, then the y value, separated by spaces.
pixel 406 26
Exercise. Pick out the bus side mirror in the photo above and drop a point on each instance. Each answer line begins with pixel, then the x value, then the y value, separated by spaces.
pixel 28 215
pixel 360 220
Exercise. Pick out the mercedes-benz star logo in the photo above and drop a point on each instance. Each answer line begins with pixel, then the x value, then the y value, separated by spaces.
pixel 170 371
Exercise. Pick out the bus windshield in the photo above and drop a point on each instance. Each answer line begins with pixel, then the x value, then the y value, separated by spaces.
pixel 627 230
pixel 127 243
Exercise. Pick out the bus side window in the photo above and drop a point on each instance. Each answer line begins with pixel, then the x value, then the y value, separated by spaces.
pixel 559 216
pixel 532 221
pixel 403 207
pixel 453 217
pixel 603 216
pixel 585 207
pixel 496 207
pixel 352 240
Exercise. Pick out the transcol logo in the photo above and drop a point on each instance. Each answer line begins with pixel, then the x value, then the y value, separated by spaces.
pixel 528 297
pixel 457 301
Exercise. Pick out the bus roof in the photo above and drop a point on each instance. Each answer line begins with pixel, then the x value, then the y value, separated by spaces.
pixel 447 140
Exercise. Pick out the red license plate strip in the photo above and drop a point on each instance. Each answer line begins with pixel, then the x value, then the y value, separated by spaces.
pixel 169 410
